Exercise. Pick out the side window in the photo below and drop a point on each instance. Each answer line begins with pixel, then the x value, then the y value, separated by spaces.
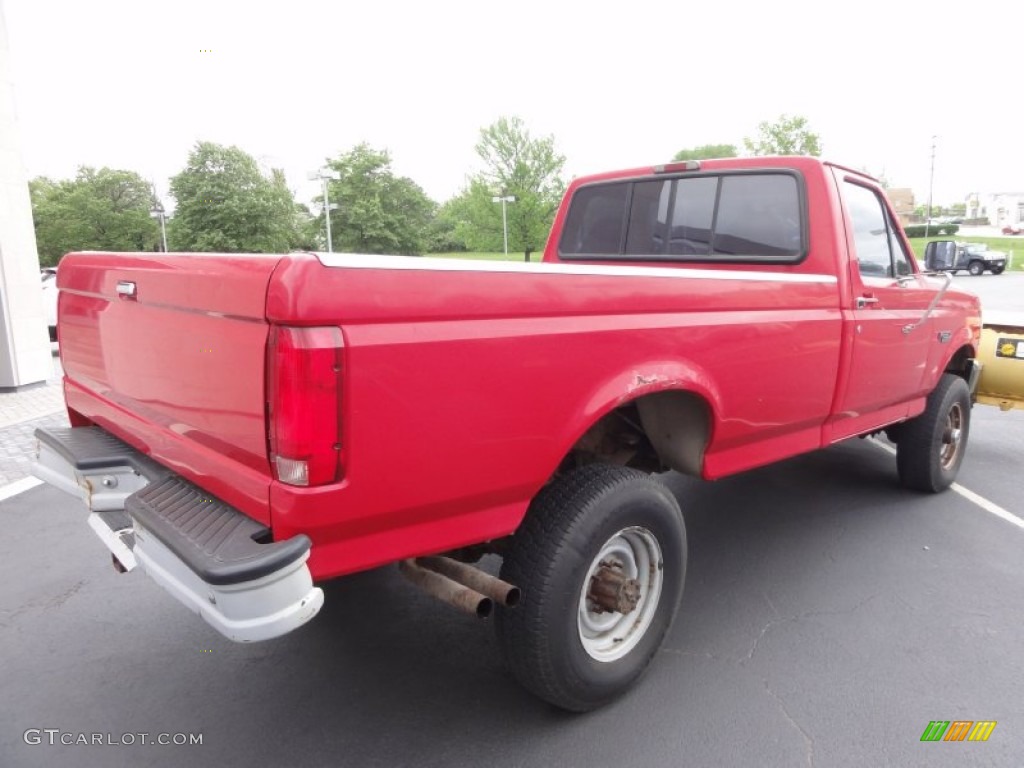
pixel 595 221
pixel 759 214
pixel 648 216
pixel 870 233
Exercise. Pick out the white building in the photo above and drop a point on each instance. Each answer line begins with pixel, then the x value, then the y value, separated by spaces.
pixel 1002 209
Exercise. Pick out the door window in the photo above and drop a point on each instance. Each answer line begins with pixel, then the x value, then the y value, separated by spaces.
pixel 878 249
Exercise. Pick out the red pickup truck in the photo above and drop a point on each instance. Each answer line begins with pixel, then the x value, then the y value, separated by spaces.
pixel 244 427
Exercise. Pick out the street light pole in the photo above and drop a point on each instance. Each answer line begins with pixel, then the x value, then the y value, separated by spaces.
pixel 157 212
pixel 504 199
pixel 163 229
pixel 504 222
pixel 327 215
pixel 325 174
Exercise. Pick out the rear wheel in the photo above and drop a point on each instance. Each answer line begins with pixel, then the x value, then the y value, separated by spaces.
pixel 975 268
pixel 601 560
pixel 931 447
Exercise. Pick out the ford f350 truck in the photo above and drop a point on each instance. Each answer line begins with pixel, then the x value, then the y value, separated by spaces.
pixel 246 427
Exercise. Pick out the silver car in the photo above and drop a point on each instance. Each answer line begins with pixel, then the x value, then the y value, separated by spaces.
pixel 49 276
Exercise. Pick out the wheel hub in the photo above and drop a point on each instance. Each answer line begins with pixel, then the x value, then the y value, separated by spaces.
pixel 620 593
pixel 611 590
pixel 952 436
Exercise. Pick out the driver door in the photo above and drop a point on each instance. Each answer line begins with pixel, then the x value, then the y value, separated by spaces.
pixel 889 348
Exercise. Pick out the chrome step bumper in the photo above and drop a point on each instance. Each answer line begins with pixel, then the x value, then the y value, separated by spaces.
pixel 214 559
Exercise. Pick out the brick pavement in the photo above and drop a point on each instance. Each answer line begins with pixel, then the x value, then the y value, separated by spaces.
pixel 20 413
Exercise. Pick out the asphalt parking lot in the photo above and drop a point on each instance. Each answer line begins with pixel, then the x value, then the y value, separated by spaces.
pixel 829 617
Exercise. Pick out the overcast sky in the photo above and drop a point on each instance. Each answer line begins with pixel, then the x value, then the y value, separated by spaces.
pixel 134 84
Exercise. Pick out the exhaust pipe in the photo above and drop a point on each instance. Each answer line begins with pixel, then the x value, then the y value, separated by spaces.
pixel 499 591
pixel 443 588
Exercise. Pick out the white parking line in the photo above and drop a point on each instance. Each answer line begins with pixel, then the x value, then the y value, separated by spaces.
pixel 971 496
pixel 19 486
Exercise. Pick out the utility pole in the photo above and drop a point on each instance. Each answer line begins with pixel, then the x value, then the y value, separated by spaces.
pixel 931 182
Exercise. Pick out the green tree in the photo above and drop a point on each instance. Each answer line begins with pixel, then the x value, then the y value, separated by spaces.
pixel 936 211
pixel 226 204
pixel 377 211
pixel 103 210
pixel 474 219
pixel 515 164
pixel 789 135
pixel 443 234
pixel 706 152
pixel 307 230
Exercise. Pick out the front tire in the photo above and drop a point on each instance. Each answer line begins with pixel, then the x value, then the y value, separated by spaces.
pixel 975 268
pixel 998 270
pixel 601 561
pixel 931 446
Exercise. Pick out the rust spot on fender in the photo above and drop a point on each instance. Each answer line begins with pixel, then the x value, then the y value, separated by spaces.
pixel 640 381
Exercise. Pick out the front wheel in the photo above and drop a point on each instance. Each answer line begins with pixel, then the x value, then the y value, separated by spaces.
pixel 601 561
pixel 931 446
pixel 998 270
pixel 975 268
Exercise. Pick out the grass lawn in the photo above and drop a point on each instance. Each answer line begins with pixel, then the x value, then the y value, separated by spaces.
pixel 1013 247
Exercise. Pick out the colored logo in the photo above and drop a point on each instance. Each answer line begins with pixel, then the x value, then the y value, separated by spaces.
pixel 1010 348
pixel 958 730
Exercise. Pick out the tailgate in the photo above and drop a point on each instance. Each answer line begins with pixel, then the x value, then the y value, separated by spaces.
pixel 167 351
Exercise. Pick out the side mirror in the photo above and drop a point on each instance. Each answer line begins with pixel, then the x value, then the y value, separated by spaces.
pixel 940 255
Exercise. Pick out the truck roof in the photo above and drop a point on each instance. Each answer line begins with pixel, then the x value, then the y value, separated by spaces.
pixel 796 162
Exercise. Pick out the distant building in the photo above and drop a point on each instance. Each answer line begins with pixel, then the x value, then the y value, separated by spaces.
pixel 1002 209
pixel 902 199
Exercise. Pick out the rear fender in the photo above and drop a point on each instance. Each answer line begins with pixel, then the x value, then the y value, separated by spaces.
pixel 669 396
pixel 646 378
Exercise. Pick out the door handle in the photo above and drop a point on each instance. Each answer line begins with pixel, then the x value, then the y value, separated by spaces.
pixel 866 301
pixel 126 289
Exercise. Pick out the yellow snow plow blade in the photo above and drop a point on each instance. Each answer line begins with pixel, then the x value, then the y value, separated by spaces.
pixel 1002 359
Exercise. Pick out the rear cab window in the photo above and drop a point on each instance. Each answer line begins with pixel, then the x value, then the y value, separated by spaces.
pixel 741 216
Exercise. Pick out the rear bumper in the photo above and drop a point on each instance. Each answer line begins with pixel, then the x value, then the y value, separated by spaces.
pixel 214 559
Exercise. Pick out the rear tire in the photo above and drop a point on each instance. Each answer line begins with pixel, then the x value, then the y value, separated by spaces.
pixel 599 529
pixel 931 447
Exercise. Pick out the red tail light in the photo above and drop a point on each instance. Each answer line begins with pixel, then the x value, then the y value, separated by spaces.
pixel 304 397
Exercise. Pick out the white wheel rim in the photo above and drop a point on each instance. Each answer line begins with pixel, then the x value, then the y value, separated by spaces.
pixel 610 635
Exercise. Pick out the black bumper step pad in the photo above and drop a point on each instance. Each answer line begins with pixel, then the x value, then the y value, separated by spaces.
pixel 89 449
pixel 215 540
